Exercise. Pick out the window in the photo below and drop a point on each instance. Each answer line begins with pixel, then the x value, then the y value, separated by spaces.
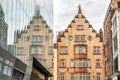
pixel 1 59
pixel 7 61
pixel 84 76
pixel 20 50
pixel 72 76
pixel 72 63
pixel 70 37
pixel 7 71
pixel 88 63
pixel 62 77
pixel 36 28
pixel 63 50
pixel 80 37
pixel 115 44
pixel 98 63
pixel 88 76
pixel 80 27
pixel 80 50
pixel 96 50
pixel 77 63
pixel 85 63
pixel 36 38
pixel 0 66
pixel 115 69
pixel 46 38
pixel 81 76
pixel 62 63
pixel 77 76
pixel 36 50
pixel 51 50
pixel 89 38
pixel 26 38
pixel 81 63
pixel 52 64
pixel 98 76
pixel 114 24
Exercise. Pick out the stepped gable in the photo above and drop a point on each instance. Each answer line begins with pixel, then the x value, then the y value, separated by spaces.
pixel 36 16
pixel 78 16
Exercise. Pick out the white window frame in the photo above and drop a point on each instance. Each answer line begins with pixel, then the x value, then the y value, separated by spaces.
pixel 62 76
pixel 37 28
pixel 77 63
pixel 7 70
pixel 72 63
pixel 88 76
pixel 72 76
pixel 63 50
pixel 81 76
pixel 80 38
pixel 98 76
pixel 0 66
pixel 80 27
pixel 37 38
pixel 96 50
pixel 98 63
pixel 36 50
pixel 77 76
pixel 80 49
pixel 62 63
pixel 81 63
pixel 51 50
pixel 88 63
pixel 20 50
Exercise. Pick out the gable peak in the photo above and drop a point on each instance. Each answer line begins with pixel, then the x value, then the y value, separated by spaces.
pixel 79 9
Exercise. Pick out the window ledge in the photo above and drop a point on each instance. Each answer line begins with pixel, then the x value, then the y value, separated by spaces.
pixel 62 67
pixel 98 67
pixel 36 30
pixel 80 41
pixel 80 54
pixel 80 29
pixel 96 53
pixel 37 42
pixel 63 53
pixel 51 53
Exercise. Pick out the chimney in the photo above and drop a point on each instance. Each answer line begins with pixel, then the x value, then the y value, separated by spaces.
pixel 101 34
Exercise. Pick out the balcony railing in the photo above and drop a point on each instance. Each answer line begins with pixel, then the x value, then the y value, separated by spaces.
pixel 80 69
pixel 80 56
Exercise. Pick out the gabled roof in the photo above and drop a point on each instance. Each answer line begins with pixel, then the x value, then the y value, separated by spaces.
pixel 79 15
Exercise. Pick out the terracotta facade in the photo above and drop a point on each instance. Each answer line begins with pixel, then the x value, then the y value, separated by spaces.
pixel 80 51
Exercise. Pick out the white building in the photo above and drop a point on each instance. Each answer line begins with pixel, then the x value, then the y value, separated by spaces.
pixel 116 44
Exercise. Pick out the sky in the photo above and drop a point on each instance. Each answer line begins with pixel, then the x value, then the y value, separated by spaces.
pixel 65 11
pixel 18 14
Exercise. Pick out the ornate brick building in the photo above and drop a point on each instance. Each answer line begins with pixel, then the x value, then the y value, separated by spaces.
pixel 80 51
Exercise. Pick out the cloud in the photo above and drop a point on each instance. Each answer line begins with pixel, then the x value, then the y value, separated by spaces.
pixel 64 12
pixel 94 10
pixel 18 14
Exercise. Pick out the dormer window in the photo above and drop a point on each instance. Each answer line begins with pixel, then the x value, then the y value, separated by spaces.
pixel 80 27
